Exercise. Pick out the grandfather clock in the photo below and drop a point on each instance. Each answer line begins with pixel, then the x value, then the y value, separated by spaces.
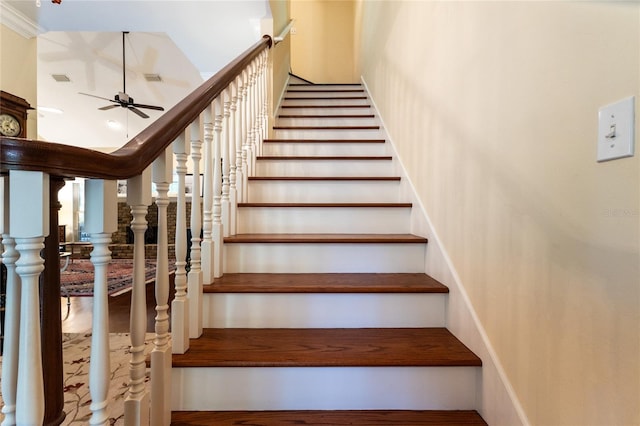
pixel 13 115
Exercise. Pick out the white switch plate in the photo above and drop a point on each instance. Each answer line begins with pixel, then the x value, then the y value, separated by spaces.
pixel 616 123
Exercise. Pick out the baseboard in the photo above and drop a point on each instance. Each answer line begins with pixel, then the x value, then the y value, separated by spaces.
pixel 300 78
pixel 503 406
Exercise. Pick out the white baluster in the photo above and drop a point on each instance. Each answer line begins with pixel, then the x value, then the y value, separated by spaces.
pixel 161 353
pixel 12 312
pixel 265 97
pixel 233 191
pixel 207 208
pixel 239 129
pixel 217 189
pixel 245 135
pixel 29 221
pixel 195 271
pixel 224 203
pixel 180 305
pixel 261 99
pixel 253 128
pixel 101 220
pixel 248 123
pixel 136 404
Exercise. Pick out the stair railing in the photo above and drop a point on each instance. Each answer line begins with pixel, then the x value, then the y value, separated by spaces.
pixel 224 122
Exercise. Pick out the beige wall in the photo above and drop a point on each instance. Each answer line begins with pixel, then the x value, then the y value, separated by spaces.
pixel 281 53
pixel 493 108
pixel 18 71
pixel 322 50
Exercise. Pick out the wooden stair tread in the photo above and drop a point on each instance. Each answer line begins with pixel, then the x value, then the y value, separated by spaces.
pixel 326 283
pixel 324 98
pixel 281 140
pixel 328 205
pixel 325 178
pixel 326 238
pixel 325 84
pixel 326 127
pixel 327 116
pixel 325 106
pixel 326 91
pixel 326 347
pixel 320 157
pixel 329 418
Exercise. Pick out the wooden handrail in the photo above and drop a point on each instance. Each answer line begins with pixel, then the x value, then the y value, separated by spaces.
pixel 137 154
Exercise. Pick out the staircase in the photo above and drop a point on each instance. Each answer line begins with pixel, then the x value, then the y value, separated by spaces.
pixel 324 315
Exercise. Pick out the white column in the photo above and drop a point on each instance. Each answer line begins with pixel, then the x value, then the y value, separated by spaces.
pixel 101 220
pixel 217 189
pixel 207 208
pixel 233 191
pixel 161 353
pixel 136 404
pixel 195 271
pixel 180 305
pixel 224 203
pixel 29 220
pixel 239 129
pixel 12 311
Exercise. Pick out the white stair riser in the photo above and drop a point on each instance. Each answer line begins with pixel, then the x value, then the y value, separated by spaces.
pixel 325 388
pixel 312 220
pixel 327 134
pixel 304 102
pixel 324 148
pixel 324 191
pixel 324 168
pixel 318 121
pixel 336 310
pixel 323 257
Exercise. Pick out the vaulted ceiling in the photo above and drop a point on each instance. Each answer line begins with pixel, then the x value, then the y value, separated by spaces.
pixel 183 42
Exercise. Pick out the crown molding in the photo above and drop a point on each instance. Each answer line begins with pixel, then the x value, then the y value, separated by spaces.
pixel 18 22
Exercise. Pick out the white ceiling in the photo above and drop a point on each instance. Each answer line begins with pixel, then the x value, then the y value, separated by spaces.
pixel 182 41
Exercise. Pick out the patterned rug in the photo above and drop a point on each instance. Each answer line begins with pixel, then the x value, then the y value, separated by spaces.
pixel 77 279
pixel 76 349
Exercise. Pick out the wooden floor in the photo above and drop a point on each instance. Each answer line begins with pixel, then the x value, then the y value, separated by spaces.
pixel 326 418
pixel 77 317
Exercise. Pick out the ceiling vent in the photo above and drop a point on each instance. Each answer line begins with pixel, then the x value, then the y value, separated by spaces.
pixel 61 78
pixel 152 77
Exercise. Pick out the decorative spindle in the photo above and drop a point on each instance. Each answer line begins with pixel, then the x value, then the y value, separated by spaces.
pixel 180 306
pixel 217 189
pixel 238 136
pixel 136 405
pixel 161 353
pixel 233 127
pixel 101 220
pixel 226 140
pixel 207 221
pixel 195 271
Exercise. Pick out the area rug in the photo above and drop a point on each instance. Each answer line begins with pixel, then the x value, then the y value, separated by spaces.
pixel 76 348
pixel 77 279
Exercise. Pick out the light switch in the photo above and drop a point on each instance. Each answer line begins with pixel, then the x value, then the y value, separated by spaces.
pixel 616 123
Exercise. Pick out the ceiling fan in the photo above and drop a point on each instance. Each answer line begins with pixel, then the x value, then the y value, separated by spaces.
pixel 122 99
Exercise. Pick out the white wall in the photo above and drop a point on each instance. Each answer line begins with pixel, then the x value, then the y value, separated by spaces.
pixel 493 108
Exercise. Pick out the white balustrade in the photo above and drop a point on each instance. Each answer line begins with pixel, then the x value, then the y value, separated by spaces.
pixel 195 270
pixel 161 353
pixel 180 316
pixel 226 139
pixel 12 312
pixel 101 220
pixel 207 207
pixel 136 405
pixel 217 230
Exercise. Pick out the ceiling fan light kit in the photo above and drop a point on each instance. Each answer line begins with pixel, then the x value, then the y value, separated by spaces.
pixel 122 99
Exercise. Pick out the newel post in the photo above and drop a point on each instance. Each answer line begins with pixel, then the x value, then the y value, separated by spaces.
pixel 101 220
pixel 136 404
pixel 29 220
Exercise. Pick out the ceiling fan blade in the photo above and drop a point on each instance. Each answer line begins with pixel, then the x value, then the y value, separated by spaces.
pixel 105 108
pixel 157 108
pixel 137 111
pixel 99 97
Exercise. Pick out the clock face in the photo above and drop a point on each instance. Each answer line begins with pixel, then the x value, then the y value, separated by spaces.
pixel 9 125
